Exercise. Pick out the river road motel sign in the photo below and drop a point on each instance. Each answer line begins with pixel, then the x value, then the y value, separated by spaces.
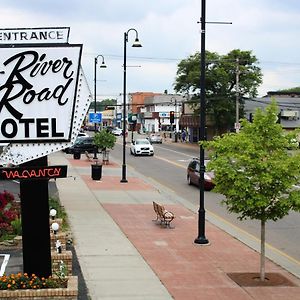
pixel 44 95
pixel 43 101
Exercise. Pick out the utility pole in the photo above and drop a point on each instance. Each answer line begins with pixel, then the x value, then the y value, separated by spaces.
pixel 237 103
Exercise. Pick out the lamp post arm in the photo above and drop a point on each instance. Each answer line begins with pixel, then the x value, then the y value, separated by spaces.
pixel 131 29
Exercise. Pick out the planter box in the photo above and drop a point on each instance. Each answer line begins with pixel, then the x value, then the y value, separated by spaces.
pixel 66 257
pixel 61 236
pixel 68 293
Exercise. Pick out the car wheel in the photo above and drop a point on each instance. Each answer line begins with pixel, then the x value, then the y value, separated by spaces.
pixel 134 153
pixel 189 180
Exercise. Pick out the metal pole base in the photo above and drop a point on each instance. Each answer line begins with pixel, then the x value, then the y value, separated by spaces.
pixel 123 180
pixel 201 240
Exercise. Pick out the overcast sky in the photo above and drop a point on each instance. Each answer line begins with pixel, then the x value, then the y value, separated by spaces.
pixel 169 32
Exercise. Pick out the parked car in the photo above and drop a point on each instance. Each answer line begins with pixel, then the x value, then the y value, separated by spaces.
pixel 155 138
pixel 193 175
pixel 117 131
pixel 81 145
pixel 141 147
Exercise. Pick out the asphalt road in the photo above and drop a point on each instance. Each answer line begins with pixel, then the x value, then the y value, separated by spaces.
pixel 168 167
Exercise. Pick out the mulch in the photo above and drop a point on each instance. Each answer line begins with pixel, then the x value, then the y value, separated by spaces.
pixel 253 279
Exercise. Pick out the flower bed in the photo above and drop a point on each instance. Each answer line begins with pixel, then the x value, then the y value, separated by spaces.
pixel 69 292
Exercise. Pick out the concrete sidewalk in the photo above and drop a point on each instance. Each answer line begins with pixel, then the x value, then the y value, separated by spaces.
pixel 123 254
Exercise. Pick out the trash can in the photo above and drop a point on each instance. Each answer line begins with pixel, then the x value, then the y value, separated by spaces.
pixel 96 172
pixel 76 155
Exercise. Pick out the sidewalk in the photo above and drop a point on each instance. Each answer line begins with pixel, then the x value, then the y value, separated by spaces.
pixel 124 255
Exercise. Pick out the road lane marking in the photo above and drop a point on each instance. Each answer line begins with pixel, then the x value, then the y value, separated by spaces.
pixel 236 227
pixel 169 161
pixel 177 152
pixel 229 223
pixel 253 237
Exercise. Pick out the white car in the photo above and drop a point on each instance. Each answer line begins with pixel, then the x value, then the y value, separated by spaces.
pixel 155 138
pixel 141 147
pixel 117 131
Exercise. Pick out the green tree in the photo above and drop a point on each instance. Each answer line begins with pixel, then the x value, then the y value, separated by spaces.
pixel 220 83
pixel 100 105
pixel 104 140
pixel 256 172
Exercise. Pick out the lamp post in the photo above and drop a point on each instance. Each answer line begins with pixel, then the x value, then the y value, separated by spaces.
pixel 103 65
pixel 133 119
pixel 175 119
pixel 135 44
pixel 201 239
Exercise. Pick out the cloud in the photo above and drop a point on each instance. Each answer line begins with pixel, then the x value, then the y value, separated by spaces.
pixel 169 32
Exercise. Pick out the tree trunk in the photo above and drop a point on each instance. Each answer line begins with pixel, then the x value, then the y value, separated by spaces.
pixel 262 249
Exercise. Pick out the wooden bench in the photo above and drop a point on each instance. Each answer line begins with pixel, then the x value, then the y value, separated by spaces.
pixel 164 216
pixel 90 157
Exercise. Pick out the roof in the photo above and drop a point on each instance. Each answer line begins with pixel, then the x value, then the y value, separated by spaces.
pixel 284 104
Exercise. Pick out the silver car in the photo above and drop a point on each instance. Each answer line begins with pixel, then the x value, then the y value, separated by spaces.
pixel 155 138
pixel 141 147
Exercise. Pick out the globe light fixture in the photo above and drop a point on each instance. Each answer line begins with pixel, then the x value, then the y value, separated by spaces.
pixel 55 227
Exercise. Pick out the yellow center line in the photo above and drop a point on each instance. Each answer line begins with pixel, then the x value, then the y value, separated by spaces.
pixel 171 162
pixel 231 224
pixel 253 237
pixel 234 226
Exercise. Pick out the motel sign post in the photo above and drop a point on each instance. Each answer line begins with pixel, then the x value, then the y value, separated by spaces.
pixel 43 100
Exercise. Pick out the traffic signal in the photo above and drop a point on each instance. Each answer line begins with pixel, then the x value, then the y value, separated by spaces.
pixel 171 117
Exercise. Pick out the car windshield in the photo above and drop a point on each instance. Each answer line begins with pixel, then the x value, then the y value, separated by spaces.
pixel 142 142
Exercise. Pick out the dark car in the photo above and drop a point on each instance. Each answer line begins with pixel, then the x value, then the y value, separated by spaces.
pixel 81 145
pixel 193 175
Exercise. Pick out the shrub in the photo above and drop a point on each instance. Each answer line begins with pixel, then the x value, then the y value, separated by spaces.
pixel 8 212
pixel 24 281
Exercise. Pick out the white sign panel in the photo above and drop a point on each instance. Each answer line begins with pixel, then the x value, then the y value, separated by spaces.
pixel 19 153
pixel 37 92
pixel 34 35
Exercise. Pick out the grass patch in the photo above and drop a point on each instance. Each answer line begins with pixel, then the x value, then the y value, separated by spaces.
pixel 6 237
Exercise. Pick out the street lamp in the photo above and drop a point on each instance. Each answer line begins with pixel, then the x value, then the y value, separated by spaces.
pixel 103 65
pixel 135 44
pixel 201 239
pixel 133 119
pixel 175 119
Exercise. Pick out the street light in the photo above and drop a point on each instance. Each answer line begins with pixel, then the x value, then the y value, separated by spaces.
pixel 103 65
pixel 176 119
pixel 133 119
pixel 201 239
pixel 135 44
